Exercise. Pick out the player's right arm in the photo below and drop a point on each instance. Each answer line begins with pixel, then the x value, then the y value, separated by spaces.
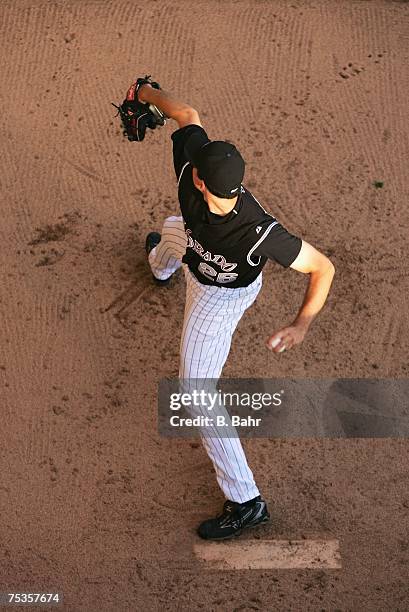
pixel 321 271
pixel 291 251
pixel 182 113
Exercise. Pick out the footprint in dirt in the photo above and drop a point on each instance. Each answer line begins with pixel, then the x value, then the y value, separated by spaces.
pixel 352 69
pixel 50 258
pixel 56 232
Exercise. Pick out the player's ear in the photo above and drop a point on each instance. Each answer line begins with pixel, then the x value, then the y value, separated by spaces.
pixel 199 184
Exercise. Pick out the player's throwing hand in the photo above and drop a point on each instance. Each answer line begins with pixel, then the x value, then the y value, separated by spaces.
pixel 286 338
pixel 321 272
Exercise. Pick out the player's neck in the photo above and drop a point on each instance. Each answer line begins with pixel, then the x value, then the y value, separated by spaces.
pixel 221 206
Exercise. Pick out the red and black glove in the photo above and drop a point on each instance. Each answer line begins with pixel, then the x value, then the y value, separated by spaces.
pixel 137 116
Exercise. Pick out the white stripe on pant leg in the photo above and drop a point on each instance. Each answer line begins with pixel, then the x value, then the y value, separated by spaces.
pixel 207 329
pixel 166 258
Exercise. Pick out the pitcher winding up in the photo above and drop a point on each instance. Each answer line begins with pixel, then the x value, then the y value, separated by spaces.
pixel 222 240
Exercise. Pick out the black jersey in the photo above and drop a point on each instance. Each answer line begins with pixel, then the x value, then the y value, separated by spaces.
pixel 229 250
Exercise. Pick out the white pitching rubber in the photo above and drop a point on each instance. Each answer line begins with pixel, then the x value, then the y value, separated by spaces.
pixel 270 554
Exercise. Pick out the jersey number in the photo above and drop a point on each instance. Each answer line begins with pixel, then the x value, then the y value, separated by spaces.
pixel 211 273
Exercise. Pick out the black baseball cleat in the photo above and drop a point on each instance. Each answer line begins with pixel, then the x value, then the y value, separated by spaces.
pixel 152 240
pixel 234 518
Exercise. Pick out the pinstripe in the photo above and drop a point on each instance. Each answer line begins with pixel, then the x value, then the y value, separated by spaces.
pixel 216 444
pixel 218 447
pixel 222 347
pixel 211 316
pixel 213 373
pixel 167 255
pixel 188 340
pixel 165 259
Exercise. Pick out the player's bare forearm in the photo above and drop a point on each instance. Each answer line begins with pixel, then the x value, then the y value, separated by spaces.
pixel 315 296
pixel 321 273
pixel 172 108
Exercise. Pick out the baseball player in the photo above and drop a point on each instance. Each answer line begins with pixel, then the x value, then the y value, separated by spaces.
pixel 222 240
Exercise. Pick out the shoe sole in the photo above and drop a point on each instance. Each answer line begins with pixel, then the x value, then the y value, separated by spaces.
pixel 238 533
pixel 161 283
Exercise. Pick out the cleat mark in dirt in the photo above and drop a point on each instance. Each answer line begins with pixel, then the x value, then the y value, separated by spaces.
pixel 85 172
pixel 132 294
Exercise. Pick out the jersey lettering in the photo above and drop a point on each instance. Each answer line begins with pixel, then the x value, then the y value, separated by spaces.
pixel 207 255
pixel 228 267
pixel 226 277
pixel 211 273
pixel 207 270
pixel 219 260
pixel 198 248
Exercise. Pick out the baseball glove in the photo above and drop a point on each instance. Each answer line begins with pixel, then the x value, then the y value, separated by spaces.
pixel 137 116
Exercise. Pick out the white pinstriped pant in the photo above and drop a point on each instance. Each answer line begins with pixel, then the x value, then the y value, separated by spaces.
pixel 211 316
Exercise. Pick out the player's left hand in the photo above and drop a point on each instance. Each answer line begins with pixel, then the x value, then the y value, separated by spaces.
pixel 285 338
pixel 136 116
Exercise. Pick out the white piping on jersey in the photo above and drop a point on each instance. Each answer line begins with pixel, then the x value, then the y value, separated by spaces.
pixel 181 172
pixel 254 198
pixel 259 241
pixel 187 163
pixel 262 208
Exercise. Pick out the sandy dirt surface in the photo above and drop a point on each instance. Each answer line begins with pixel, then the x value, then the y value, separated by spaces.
pixel 93 502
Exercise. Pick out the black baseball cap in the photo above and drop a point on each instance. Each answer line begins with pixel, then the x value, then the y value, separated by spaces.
pixel 219 164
